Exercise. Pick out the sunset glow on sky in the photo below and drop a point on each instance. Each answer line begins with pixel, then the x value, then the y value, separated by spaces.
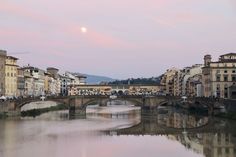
pixel 126 38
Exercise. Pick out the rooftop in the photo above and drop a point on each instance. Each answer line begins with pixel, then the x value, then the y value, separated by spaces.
pixel 80 76
pixel 30 67
pixel 228 54
pixel 11 57
pixel 52 68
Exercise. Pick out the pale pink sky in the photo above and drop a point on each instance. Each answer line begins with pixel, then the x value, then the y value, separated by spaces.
pixel 125 38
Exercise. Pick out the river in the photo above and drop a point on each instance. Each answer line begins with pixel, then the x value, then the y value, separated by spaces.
pixel 118 131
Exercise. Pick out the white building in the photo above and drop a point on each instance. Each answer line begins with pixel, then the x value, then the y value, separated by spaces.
pixel 65 82
pixel 77 79
pixel 54 81
pixel 34 81
pixel 219 77
pixel 187 73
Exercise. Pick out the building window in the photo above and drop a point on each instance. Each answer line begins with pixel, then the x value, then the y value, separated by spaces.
pixel 233 78
pixel 226 91
pixel 218 90
pixel 227 151
pixel 219 151
pixel 227 138
pixel 218 78
pixel 225 71
pixel 225 78
pixel 219 138
pixel 233 71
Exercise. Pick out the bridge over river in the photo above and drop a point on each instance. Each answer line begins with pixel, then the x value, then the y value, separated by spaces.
pixel 77 104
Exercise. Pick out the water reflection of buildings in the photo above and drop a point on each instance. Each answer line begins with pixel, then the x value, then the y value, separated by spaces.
pixel 210 137
pixel 195 144
pixel 219 145
pixel 209 144
pixel 180 120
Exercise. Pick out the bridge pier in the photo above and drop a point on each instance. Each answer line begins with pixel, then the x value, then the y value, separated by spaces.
pixel 150 105
pixel 77 108
pixel 103 102
pixel 9 108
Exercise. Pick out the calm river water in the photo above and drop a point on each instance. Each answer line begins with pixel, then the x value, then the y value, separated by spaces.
pixel 118 131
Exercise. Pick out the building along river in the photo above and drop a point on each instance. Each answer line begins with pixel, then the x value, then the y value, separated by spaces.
pixel 118 130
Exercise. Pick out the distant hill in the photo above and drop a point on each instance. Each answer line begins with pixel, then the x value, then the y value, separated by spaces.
pixel 147 81
pixel 94 79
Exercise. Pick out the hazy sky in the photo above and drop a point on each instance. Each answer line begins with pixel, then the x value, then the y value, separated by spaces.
pixel 124 38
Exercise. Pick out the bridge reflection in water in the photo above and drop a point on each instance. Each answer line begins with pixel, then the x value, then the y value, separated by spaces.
pixel 210 137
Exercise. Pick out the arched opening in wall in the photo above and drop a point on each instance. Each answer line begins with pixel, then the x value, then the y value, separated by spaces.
pixel 120 92
pixel 126 92
pixel 36 108
pixel 114 92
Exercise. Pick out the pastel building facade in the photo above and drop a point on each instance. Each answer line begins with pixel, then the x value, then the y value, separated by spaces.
pixel 219 77
pixel 3 55
pixel 11 76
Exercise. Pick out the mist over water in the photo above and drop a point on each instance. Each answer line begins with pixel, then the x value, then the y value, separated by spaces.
pixel 117 130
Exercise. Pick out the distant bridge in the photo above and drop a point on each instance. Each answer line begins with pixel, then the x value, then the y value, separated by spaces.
pixel 121 89
pixel 77 104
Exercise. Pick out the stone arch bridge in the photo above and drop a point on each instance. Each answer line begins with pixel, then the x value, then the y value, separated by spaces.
pixel 77 104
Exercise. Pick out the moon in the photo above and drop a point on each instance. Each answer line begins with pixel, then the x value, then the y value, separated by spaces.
pixel 83 29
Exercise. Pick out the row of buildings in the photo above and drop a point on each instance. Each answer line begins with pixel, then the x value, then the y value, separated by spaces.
pixel 211 79
pixel 25 81
pixel 134 89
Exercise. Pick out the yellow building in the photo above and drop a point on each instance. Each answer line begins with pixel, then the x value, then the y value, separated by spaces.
pixel 46 82
pixel 11 76
pixel 168 81
pixel 2 71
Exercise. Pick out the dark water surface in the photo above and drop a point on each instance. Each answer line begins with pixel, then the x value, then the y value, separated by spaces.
pixel 118 131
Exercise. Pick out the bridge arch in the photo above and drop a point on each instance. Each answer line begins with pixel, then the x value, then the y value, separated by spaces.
pixel 120 92
pixel 104 101
pixel 96 100
pixel 20 104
